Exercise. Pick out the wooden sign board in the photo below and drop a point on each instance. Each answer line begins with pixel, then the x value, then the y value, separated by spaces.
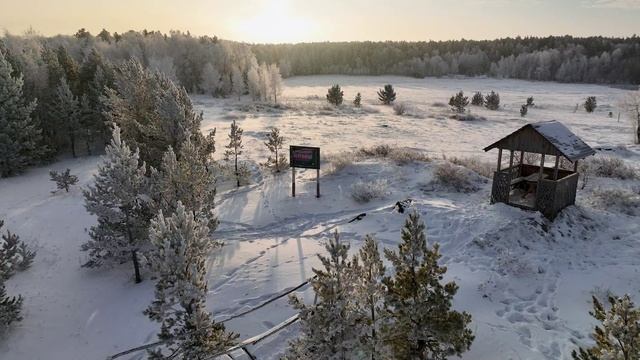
pixel 304 157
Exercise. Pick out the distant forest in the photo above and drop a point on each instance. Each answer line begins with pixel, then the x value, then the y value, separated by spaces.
pixel 563 59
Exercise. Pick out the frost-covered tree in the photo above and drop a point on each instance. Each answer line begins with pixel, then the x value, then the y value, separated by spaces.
pixel 254 79
pixel 335 95
pixel 618 335
pixel 590 104
pixel 357 102
pixel 20 137
pixel 459 102
pixel 210 80
pixel 422 324
pixel 524 109
pixel 181 245
pixel 631 104
pixel 63 180
pixel 15 255
pixel 275 82
pixel 234 148
pixel 387 95
pixel 492 101
pixel 119 199
pixel 369 293
pixel 66 113
pixel 237 82
pixel 477 99
pixel 274 143
pixel 328 328
pixel 188 179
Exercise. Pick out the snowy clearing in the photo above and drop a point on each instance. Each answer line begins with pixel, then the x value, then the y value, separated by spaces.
pixel 526 282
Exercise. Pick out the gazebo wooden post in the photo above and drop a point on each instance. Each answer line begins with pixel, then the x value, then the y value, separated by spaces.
pixel 499 158
pixel 541 168
pixel 511 159
pixel 575 166
pixel 555 170
pixel 521 157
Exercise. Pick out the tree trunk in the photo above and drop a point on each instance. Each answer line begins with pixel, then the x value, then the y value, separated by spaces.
pixel 237 177
pixel 72 137
pixel 277 167
pixel 136 266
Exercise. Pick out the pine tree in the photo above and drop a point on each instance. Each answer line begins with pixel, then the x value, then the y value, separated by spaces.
pixel 66 113
pixel 530 101
pixel 119 199
pixel 63 180
pixel 181 245
pixel 357 102
pixel 10 308
pixel 422 324
pixel 234 148
pixel 459 102
pixel 369 293
pixel 187 179
pixel 618 336
pixel 328 328
pixel 387 95
pixel 274 143
pixel 590 104
pixel 20 138
pixel 492 101
pixel 70 68
pixel 524 109
pixel 477 99
pixel 15 255
pixel 335 95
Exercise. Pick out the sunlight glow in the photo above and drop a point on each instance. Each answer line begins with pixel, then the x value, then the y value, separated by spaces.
pixel 274 23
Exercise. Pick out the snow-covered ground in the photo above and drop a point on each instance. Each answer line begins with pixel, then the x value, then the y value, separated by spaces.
pixel 526 281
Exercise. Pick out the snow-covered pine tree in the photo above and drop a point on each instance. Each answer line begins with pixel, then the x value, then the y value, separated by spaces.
pixel 329 327
pixel 181 244
pixel 119 198
pixel 335 95
pixel 387 95
pixel 20 137
pixel 357 102
pixel 524 109
pixel 188 179
pixel 477 99
pixel 590 104
pixel 459 102
pixel 618 336
pixel 422 324
pixel 10 307
pixel 274 143
pixel 369 294
pixel 492 101
pixel 63 180
pixel 234 148
pixel 65 112
pixel 530 101
pixel 14 254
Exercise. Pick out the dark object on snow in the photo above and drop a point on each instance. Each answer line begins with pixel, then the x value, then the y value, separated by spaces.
pixel 536 187
pixel 402 205
pixel 358 218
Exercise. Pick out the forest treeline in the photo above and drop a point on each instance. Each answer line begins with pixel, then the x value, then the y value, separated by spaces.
pixel 56 87
pixel 563 59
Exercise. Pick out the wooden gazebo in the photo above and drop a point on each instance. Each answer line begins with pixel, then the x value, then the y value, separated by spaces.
pixel 536 187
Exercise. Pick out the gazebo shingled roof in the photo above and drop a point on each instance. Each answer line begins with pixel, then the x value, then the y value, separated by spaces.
pixel 546 137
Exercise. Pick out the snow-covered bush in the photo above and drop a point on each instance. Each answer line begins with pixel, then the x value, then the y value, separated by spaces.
pixel 400 108
pixel 618 200
pixel 467 117
pixel 492 101
pixel 339 161
pixel 454 178
pixel 477 99
pixel 590 104
pixel 365 191
pixel 63 180
pixel 400 155
pixel 475 164
pixel 14 255
pixel 609 167
pixel 9 309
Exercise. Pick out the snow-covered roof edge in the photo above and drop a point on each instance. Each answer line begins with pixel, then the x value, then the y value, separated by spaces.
pixel 559 136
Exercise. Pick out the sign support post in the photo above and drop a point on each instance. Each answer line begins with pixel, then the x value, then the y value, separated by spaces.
pixel 304 157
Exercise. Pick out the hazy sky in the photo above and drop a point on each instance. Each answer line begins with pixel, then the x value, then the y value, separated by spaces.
pixel 329 20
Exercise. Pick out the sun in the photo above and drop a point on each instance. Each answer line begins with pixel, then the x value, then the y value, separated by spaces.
pixel 275 23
